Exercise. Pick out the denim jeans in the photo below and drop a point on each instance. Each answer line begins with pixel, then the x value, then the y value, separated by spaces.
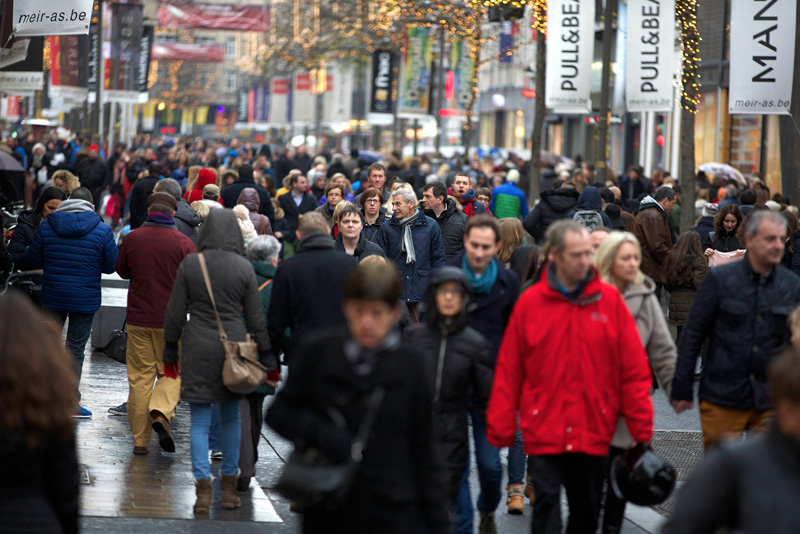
pixel 490 475
pixel 516 461
pixel 231 438
pixel 78 331
pixel 215 431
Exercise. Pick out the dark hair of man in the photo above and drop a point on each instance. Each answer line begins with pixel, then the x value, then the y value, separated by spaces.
pixel 483 221
pixel 294 177
pixel 439 189
pixel 155 169
pixel 245 170
pixel 589 166
pixel 375 167
pixel 82 193
pixel 372 192
pixel 484 191
pixel 375 282
pixel 664 193
pixel 606 195
pixel 748 197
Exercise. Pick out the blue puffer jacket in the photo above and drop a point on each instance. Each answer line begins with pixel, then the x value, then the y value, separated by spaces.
pixel 74 247
pixel 428 248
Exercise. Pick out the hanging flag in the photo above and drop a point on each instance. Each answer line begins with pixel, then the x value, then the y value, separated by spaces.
pixel 384 63
pixel 339 96
pixel 415 85
pixel 303 99
pixel 651 62
pixel 763 70
pixel 458 81
pixel 570 51
pixel 197 16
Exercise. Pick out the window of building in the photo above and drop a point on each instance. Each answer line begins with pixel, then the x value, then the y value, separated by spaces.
pixel 230 47
pixel 230 81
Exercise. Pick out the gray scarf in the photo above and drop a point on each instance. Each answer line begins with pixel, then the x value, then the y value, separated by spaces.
pixel 407 243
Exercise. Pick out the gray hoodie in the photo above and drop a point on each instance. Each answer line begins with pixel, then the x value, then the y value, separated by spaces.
pixel 75 205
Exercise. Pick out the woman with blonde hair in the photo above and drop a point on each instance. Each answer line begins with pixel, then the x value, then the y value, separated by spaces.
pixel 191 176
pixel 512 235
pixel 618 259
pixel 66 181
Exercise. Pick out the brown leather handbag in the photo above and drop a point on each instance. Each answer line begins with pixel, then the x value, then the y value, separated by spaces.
pixel 242 372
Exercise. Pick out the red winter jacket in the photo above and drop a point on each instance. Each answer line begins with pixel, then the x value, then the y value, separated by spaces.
pixel 570 369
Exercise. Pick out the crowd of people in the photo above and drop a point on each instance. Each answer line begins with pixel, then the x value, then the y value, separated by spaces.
pixel 541 328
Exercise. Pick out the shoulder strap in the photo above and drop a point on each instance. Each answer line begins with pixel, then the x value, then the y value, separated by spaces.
pixel 222 335
pixel 360 441
pixel 264 285
pixel 263 226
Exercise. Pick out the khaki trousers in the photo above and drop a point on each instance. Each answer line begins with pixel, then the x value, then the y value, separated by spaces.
pixel 144 354
pixel 721 422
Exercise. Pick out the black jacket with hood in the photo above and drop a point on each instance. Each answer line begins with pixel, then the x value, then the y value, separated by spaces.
pixel 554 206
pixel 21 237
pixel 451 222
pixel 364 248
pixel 590 200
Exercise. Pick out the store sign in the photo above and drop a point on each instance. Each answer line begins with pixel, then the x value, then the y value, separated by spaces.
pixel 383 65
pixel 761 77
pixel 416 78
pixel 45 17
pixel 196 16
pixel 21 82
pixel 570 51
pixel 651 63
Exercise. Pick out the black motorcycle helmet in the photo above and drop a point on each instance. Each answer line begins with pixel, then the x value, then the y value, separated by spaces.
pixel 642 477
pixel 439 277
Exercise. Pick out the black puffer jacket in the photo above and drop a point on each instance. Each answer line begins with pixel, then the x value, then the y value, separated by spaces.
pixel 364 248
pixel 451 223
pixel 721 242
pixel 748 486
pixel 555 206
pixel 455 362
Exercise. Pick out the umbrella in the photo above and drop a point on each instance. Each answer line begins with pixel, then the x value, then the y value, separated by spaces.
pixel 551 158
pixel 8 163
pixel 724 171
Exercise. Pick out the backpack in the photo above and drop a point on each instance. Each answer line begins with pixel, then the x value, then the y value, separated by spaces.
pixel 588 218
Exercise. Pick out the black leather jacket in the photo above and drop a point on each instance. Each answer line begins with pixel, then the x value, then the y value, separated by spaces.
pixel 744 315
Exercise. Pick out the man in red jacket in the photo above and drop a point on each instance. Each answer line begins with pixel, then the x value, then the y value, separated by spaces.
pixel 150 256
pixel 571 363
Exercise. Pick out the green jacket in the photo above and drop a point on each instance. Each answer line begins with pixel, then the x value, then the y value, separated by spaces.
pixel 675 217
pixel 264 272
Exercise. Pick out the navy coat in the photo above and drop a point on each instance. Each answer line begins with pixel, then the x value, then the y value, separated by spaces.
pixel 428 248
pixel 74 249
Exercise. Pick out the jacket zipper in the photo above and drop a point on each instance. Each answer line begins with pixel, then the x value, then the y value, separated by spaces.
pixel 440 368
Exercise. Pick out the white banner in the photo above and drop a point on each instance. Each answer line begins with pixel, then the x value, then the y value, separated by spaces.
pixel 45 17
pixel 570 51
pixel 279 101
pixel 16 83
pixel 339 96
pixel 15 53
pixel 763 69
pixel 651 55
pixel 303 100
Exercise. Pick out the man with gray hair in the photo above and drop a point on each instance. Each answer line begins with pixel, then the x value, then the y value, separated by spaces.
pixel 742 309
pixel 186 220
pixel 414 243
pixel 653 229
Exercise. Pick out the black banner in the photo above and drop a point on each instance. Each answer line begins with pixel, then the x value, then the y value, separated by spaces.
pixel 384 63
pixel 145 49
pixel 126 36
pixel 94 58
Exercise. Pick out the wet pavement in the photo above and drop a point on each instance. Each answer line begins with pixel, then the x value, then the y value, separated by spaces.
pixel 124 493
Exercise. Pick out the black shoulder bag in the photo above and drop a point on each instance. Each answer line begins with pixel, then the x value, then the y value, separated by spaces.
pixel 117 345
pixel 309 481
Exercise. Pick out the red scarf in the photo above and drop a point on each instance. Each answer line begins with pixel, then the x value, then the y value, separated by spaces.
pixel 467 201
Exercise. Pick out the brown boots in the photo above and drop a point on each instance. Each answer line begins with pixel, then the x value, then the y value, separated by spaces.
pixel 515 500
pixel 229 497
pixel 203 489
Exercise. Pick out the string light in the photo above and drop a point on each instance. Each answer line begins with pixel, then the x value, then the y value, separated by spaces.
pixel 690 47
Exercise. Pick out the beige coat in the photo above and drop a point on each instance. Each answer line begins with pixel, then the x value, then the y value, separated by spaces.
pixel 657 341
